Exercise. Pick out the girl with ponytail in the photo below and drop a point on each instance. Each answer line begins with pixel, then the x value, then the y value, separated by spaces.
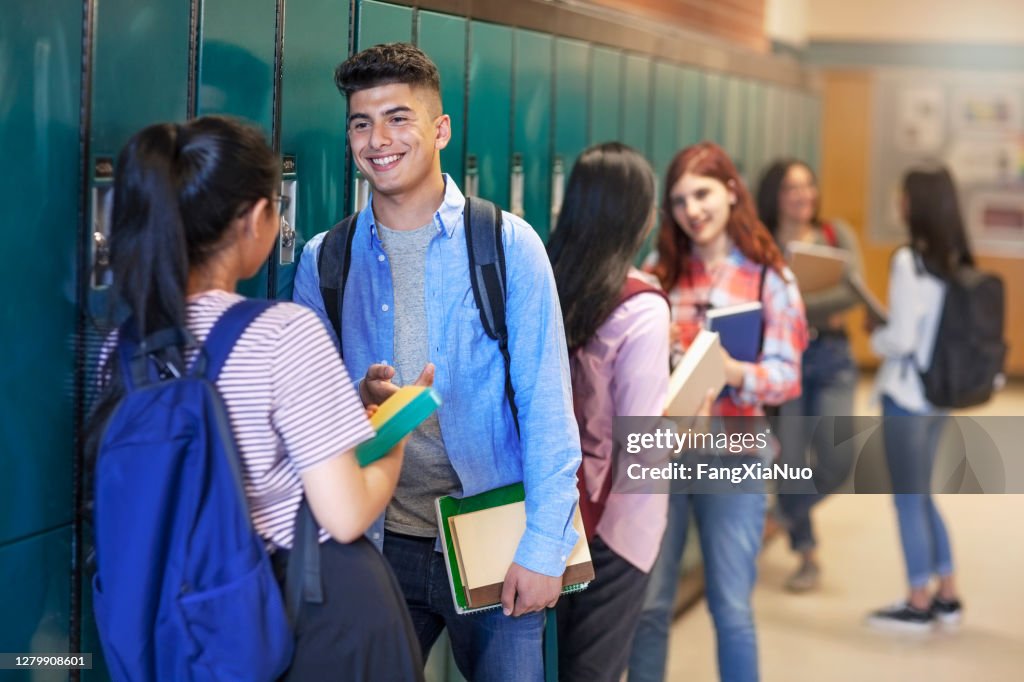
pixel 195 210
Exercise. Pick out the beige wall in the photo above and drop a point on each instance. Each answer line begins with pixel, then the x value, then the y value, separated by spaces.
pixel 846 144
pixel 930 21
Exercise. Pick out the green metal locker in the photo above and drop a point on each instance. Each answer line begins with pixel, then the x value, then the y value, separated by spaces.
pixel 665 131
pixel 606 102
pixel 773 125
pixel 140 77
pixel 572 61
pixel 488 118
pixel 733 106
pixel 636 117
pixel 531 135
pixel 39 121
pixel 36 599
pixel 443 38
pixel 379 22
pixel 312 125
pixel 690 107
pixel 752 138
pixel 814 149
pixel 236 75
pixel 713 128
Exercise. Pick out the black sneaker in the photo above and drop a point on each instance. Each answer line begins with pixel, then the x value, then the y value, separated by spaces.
pixel 947 613
pixel 902 617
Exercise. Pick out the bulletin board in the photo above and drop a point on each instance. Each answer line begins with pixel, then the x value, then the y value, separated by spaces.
pixel 971 121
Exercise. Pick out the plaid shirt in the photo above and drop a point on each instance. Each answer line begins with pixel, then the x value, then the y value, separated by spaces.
pixel 775 378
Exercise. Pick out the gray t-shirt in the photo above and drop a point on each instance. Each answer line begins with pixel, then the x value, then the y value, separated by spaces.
pixel 427 472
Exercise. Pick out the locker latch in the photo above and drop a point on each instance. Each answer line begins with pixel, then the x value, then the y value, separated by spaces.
pixel 517 182
pixel 557 189
pixel 472 184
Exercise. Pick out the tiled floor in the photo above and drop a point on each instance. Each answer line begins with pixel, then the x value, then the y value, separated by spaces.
pixel 821 636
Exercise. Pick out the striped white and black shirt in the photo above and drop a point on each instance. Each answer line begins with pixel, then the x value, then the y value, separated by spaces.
pixel 290 401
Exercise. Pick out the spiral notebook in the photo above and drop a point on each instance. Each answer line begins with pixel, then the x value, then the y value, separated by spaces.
pixel 480 536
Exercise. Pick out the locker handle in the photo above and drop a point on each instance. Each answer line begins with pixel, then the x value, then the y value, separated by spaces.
pixel 102 204
pixel 360 193
pixel 472 184
pixel 286 240
pixel 517 183
pixel 557 189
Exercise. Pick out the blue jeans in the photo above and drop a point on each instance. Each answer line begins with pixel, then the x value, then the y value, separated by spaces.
pixel 911 441
pixel 829 381
pixel 730 527
pixel 488 646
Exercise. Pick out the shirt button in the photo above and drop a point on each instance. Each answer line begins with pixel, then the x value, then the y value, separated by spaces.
pixel 376 536
pixel 380 258
pixel 563 557
pixel 384 307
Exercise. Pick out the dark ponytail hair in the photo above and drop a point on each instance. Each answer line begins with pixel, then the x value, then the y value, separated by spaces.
pixel 177 189
pixel 608 204
pixel 936 224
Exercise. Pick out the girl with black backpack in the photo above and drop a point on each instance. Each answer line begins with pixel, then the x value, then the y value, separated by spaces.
pixel 912 428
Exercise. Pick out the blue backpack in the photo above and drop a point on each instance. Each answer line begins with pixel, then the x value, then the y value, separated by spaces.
pixel 184 589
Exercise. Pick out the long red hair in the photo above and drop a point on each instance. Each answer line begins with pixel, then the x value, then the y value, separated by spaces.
pixel 675 248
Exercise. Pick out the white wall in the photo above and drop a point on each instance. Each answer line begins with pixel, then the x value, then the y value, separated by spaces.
pixel 926 21
pixel 785 21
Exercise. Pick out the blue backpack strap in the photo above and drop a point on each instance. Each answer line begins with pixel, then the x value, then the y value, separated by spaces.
pixel 487 274
pixel 302 581
pixel 332 264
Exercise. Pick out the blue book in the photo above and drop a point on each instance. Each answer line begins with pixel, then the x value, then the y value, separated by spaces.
pixel 740 328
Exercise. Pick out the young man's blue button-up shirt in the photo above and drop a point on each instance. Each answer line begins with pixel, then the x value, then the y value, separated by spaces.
pixel 476 419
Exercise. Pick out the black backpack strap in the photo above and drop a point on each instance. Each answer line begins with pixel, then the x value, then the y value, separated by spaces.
pixel 332 263
pixel 487 274
pixel 302 581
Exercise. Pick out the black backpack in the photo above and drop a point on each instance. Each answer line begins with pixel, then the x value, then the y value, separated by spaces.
pixel 967 359
pixel 486 266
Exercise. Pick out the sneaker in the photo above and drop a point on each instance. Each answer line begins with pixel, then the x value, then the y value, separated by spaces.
pixel 902 617
pixel 947 613
pixel 806 578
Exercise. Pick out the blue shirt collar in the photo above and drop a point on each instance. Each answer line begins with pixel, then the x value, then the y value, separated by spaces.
pixel 448 215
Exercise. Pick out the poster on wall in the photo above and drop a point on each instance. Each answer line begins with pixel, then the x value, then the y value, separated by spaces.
pixel 971 122
pixel 920 129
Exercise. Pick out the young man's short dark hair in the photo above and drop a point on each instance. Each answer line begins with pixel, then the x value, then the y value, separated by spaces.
pixel 387 64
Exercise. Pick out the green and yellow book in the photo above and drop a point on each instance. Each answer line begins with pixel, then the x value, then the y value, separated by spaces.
pixel 406 409
pixel 480 535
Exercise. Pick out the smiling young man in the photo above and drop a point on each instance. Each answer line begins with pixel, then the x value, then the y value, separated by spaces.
pixel 409 311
